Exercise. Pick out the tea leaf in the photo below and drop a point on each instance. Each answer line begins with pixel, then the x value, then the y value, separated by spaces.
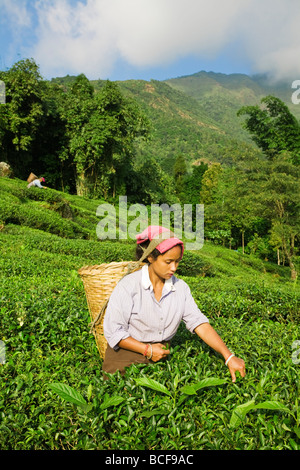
pixel 240 412
pixel 188 390
pixel 208 382
pixel 153 384
pixel 271 405
pixel 149 414
pixel 111 401
pixel 69 394
pixel 176 380
pixel 296 431
pixel 89 392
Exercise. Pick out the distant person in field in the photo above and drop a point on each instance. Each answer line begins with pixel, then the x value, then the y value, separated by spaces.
pixel 37 182
pixel 147 306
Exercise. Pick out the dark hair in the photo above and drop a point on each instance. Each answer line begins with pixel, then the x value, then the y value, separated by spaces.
pixel 139 251
pixel 155 253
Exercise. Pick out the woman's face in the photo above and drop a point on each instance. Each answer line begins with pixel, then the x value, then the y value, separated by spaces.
pixel 165 265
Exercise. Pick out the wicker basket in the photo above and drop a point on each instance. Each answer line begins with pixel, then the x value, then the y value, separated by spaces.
pixel 31 177
pixel 99 282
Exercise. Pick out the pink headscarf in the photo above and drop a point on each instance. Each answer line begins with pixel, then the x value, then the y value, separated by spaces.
pixel 152 232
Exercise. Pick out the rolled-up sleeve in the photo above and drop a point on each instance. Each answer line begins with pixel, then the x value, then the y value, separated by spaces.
pixel 117 316
pixel 192 315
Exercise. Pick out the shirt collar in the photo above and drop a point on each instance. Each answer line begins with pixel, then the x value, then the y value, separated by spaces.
pixel 146 282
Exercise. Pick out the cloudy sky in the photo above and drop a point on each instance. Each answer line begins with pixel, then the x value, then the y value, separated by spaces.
pixel 159 39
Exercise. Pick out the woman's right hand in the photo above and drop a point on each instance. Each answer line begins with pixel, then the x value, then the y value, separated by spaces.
pixel 159 351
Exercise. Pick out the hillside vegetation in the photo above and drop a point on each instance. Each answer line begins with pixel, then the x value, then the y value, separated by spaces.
pixel 45 237
pixel 221 96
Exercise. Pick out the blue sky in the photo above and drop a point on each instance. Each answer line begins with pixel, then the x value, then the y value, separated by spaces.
pixel 152 39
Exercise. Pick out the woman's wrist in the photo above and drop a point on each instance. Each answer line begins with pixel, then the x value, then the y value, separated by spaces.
pixel 148 351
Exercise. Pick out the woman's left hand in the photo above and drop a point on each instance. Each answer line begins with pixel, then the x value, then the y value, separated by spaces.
pixel 236 365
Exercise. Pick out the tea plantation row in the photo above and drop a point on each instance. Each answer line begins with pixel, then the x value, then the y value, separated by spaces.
pixel 44 326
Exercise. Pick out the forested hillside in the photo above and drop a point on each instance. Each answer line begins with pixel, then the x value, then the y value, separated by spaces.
pixel 212 139
pixel 221 96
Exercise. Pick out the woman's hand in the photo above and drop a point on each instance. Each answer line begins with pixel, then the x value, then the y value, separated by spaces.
pixel 236 365
pixel 159 351
pixel 206 332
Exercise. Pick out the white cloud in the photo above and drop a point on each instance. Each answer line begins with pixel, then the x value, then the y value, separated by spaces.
pixel 90 36
pixel 16 11
pixel 270 34
pixel 160 31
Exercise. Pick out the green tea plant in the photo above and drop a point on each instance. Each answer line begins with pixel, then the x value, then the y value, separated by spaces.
pixel 185 391
pixel 73 396
pixel 52 392
pixel 240 411
pixel 69 394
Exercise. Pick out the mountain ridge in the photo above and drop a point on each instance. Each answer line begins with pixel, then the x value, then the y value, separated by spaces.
pixel 196 115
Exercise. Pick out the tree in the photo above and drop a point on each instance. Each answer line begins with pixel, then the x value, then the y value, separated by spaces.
pixel 230 206
pixel 281 195
pixel 101 129
pixel 31 129
pixel 273 128
pixel 210 182
pixel 22 114
pixel 193 183
pixel 277 132
pixel 151 185
pixel 180 170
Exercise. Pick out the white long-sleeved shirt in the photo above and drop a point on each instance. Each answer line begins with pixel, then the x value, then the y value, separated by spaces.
pixel 35 183
pixel 134 311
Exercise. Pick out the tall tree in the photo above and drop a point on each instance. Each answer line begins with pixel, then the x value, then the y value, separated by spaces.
pixel 31 130
pixel 22 114
pixel 193 183
pixel 281 195
pixel 180 170
pixel 277 132
pixel 101 129
pixel 273 127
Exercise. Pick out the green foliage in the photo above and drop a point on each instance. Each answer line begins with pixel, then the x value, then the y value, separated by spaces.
pixel 53 130
pixel 240 411
pixel 32 131
pixel 274 129
pixel 100 130
pixel 53 395
pixel 193 264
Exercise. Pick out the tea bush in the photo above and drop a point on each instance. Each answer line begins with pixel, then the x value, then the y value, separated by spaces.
pixel 44 325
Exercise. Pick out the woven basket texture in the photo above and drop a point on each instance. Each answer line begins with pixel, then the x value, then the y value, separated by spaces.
pixel 99 281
